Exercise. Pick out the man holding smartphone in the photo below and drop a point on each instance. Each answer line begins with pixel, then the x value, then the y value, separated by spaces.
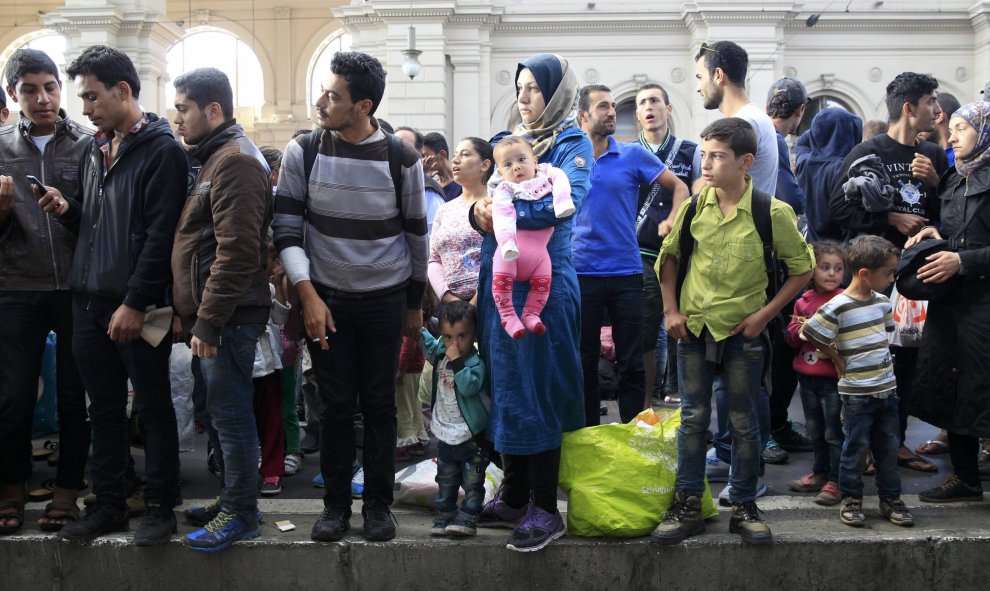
pixel 35 256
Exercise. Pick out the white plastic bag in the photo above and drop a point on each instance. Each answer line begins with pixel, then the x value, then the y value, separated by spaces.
pixel 181 378
pixel 909 320
pixel 417 485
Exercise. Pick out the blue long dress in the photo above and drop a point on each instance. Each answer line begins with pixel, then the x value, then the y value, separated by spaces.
pixel 536 383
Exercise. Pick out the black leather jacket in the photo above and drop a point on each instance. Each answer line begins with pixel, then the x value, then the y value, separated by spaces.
pixel 126 218
pixel 35 251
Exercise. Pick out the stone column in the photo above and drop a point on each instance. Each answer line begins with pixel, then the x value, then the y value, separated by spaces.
pixel 137 27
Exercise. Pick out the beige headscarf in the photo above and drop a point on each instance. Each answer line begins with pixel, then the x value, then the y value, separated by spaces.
pixel 561 110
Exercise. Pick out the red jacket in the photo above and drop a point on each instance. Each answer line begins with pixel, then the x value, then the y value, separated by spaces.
pixel 807 361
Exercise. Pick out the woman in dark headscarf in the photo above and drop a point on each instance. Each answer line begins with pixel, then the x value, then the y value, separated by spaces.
pixel 818 156
pixel 536 384
pixel 952 390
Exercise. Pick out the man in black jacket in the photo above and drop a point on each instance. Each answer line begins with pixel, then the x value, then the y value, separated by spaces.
pixel 133 183
pixel 35 253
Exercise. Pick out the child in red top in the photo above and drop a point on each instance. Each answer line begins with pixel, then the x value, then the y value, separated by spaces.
pixel 818 379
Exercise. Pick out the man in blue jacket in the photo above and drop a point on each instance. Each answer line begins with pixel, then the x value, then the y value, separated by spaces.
pixel 132 187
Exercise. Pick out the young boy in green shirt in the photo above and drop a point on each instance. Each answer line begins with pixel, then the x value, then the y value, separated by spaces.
pixel 719 315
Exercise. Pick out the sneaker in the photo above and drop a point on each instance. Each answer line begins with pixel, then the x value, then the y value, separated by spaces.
pixel 536 530
pixel 331 525
pixel 464 525
pixel 723 497
pixel 440 523
pixel 829 495
pixel 318 481
pixel 790 439
pixel 672 399
pixel 851 512
pixel 200 516
pixel 223 530
pixel 747 521
pixel 379 523
pixel 896 512
pixel 953 490
pixel 99 519
pixel 498 513
pixel 774 454
pixel 808 483
pixel 357 482
pixel 271 486
pixel 292 463
pixel 156 526
pixel 715 469
pixel 681 521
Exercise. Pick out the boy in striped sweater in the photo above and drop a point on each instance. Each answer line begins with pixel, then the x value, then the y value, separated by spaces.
pixel 851 329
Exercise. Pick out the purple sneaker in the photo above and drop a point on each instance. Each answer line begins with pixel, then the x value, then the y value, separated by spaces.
pixel 498 513
pixel 536 531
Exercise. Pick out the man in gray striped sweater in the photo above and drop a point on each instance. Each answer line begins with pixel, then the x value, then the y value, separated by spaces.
pixel 352 238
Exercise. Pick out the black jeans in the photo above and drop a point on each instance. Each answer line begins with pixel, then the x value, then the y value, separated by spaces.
pixel 27 318
pixel 964 451
pixel 105 367
pixel 359 368
pixel 783 379
pixel 905 365
pixel 622 298
pixel 534 475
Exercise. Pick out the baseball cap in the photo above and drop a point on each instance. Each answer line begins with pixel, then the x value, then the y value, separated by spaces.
pixel 787 92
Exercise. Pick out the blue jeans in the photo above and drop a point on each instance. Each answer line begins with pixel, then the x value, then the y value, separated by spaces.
pixel 872 424
pixel 622 298
pixel 742 370
pixel 226 380
pixel 722 441
pixel 460 465
pixel 823 420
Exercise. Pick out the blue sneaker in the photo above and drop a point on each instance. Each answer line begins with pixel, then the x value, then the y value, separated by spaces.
pixel 200 516
pixel 357 481
pixel 723 497
pixel 715 469
pixel 225 529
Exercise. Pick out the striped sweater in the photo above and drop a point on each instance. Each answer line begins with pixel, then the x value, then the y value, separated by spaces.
pixel 859 330
pixel 346 232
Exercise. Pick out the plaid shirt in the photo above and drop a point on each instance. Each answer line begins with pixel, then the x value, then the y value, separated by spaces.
pixel 103 140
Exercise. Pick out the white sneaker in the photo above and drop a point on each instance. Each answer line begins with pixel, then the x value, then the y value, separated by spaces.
pixel 723 497
pixel 292 463
pixel 715 469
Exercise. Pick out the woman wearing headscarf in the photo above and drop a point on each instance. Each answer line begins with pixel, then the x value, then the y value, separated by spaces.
pixel 536 382
pixel 818 157
pixel 952 390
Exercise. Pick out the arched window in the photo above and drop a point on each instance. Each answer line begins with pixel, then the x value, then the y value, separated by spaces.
pixel 820 103
pixel 319 67
pixel 45 40
pixel 212 47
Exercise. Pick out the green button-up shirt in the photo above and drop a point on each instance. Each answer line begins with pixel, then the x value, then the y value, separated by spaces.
pixel 727 280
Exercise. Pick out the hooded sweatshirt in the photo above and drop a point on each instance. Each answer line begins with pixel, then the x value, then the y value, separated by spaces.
pixel 819 153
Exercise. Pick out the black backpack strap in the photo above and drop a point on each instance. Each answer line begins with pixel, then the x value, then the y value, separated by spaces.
pixel 310 148
pixel 395 167
pixel 764 227
pixel 687 243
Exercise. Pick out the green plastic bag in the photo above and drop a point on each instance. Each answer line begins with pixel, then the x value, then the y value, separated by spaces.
pixel 620 478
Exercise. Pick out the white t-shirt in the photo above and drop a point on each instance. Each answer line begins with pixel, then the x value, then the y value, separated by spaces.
pixel 41 141
pixel 448 425
pixel 764 169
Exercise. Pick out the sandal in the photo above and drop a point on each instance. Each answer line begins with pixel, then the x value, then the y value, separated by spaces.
pixel 45 493
pixel 917 463
pixel 933 447
pixel 47 449
pixel 11 509
pixel 58 510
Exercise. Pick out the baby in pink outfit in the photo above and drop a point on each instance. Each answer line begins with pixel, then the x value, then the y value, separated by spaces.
pixel 522 254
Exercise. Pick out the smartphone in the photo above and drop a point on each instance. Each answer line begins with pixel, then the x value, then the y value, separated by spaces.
pixel 37 183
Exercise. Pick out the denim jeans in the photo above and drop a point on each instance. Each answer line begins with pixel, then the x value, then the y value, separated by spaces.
pixel 622 298
pixel 226 380
pixel 823 420
pixel 460 465
pixel 359 368
pixel 722 441
pixel 28 317
pixel 105 366
pixel 872 424
pixel 742 370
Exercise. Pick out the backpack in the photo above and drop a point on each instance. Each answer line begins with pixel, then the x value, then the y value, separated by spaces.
pixel 312 144
pixel 776 270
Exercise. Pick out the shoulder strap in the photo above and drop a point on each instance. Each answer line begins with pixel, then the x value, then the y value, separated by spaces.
pixel 310 147
pixel 395 167
pixel 686 244
pixel 764 227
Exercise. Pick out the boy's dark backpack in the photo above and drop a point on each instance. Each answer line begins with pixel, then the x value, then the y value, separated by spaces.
pixel 312 145
pixel 776 270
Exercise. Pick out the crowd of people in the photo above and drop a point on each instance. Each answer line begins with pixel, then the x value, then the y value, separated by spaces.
pixel 483 275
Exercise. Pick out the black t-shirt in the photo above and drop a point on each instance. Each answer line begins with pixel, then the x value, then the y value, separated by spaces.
pixel 914 196
pixel 648 218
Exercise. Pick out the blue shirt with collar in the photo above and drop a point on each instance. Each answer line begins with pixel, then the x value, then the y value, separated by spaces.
pixel 604 240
